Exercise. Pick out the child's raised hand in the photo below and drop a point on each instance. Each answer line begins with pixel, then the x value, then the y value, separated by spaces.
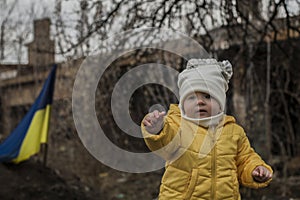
pixel 154 121
pixel 261 174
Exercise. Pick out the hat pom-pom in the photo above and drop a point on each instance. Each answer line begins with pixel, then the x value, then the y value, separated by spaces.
pixel 194 63
pixel 226 68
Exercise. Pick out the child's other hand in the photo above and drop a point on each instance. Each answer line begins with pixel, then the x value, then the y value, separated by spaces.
pixel 261 174
pixel 154 121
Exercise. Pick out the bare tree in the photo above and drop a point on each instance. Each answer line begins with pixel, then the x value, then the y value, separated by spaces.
pixel 212 23
pixel 7 11
pixel 215 24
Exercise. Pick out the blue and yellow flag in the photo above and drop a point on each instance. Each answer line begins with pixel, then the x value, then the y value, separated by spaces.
pixel 26 138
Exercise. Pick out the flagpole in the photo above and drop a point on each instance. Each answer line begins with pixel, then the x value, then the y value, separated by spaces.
pixel 45 156
pixel 45 144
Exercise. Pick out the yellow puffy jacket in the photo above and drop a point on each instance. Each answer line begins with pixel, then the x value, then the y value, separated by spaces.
pixel 203 164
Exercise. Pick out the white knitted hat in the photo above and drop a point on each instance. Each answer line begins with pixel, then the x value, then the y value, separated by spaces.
pixel 205 75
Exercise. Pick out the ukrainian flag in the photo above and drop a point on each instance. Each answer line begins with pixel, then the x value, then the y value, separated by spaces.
pixel 26 138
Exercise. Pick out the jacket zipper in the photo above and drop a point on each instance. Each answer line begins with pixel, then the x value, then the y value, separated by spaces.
pixel 213 169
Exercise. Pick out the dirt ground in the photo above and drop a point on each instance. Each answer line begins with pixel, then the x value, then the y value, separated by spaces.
pixel 33 181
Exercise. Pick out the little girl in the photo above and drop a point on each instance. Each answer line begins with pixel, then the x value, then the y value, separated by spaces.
pixel 207 154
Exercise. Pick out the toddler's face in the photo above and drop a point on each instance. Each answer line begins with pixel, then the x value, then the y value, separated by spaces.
pixel 200 105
